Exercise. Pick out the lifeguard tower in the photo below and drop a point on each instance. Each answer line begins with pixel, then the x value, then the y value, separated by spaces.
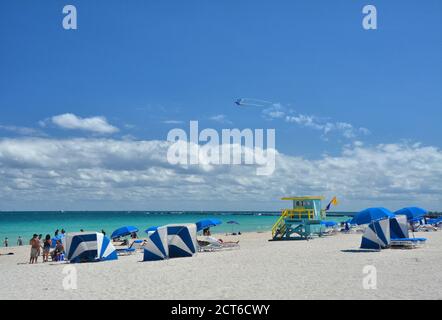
pixel 303 221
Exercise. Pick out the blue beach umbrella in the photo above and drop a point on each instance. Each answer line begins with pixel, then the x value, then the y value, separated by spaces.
pixel 207 223
pixel 412 213
pixel 123 232
pixel 372 214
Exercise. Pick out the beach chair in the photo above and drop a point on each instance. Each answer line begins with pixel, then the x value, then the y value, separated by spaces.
pixel 134 246
pixel 435 222
pixel 212 244
pixel 425 228
pixel 426 225
pixel 407 243
pixel 331 228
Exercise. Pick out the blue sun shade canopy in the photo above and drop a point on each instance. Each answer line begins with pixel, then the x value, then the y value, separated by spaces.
pixel 207 223
pixel 412 212
pixel 372 214
pixel 123 232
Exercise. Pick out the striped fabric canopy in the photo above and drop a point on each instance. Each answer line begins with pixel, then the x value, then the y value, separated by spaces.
pixel 181 240
pixel 156 247
pixel 377 235
pixel 399 227
pixel 88 247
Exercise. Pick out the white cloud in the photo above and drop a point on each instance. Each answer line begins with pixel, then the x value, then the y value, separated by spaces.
pixel 347 130
pixel 173 122
pixel 326 127
pixel 221 118
pixel 115 170
pixel 276 111
pixel 94 124
pixel 24 131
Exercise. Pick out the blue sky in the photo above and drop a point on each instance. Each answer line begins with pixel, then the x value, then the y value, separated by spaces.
pixel 139 64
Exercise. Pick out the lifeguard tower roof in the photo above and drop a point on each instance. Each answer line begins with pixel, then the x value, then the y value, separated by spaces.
pixel 303 198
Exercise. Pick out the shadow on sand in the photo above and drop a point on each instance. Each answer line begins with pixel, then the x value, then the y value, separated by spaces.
pixel 360 251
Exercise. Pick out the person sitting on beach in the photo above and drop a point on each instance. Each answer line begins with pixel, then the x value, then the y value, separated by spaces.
pixel 206 232
pixel 19 241
pixel 35 249
pixel 59 250
pixel 47 244
pixel 209 240
pixel 134 235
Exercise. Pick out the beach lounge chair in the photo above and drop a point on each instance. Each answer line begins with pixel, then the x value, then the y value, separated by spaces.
pixel 331 228
pixel 135 245
pixel 407 243
pixel 426 225
pixel 212 244
pixel 426 228
pixel 435 222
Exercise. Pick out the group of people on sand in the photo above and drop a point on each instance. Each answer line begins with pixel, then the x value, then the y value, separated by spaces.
pixel 43 247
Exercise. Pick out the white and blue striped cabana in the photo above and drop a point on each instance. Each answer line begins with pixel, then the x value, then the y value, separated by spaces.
pixel 88 247
pixel 377 235
pixel 399 227
pixel 181 240
pixel 156 246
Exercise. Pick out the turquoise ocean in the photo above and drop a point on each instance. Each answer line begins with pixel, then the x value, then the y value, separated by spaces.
pixel 25 224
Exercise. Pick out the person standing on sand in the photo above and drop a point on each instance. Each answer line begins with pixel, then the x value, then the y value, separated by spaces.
pixel 6 243
pixel 35 249
pixel 47 244
pixel 19 241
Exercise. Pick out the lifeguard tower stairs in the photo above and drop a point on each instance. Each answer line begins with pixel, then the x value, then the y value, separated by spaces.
pixel 303 221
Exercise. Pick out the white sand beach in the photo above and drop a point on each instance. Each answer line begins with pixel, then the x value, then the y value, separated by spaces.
pixel 325 268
